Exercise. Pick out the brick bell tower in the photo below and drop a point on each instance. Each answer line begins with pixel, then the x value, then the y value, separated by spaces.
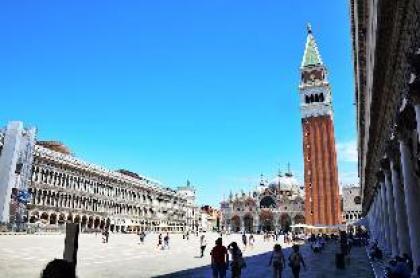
pixel 322 202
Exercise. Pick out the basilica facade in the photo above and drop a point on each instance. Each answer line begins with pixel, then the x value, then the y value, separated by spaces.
pixel 272 206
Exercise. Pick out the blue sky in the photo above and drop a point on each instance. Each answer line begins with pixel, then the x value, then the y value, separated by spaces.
pixel 175 90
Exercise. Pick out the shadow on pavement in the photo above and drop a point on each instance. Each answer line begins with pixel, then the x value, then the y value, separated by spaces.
pixel 257 266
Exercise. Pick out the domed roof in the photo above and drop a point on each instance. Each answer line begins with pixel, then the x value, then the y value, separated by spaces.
pixel 285 183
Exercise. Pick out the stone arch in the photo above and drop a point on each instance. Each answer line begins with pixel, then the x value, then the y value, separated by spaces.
pixel 248 223
pixel 102 224
pixel 285 222
pixel 316 98
pixel 76 219
pixel 44 217
pixel 90 222
pixel 321 97
pixel 312 98
pixel 235 223
pixel 299 219
pixel 61 218
pixel 70 218
pixel 267 220
pixel 53 218
pixel 96 222
pixel 34 217
pixel 267 202
pixel 84 220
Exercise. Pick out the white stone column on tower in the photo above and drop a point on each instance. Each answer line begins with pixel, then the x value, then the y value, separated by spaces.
pixel 405 134
pixel 391 209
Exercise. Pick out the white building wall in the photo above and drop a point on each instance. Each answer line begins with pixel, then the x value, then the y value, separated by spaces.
pixel 17 147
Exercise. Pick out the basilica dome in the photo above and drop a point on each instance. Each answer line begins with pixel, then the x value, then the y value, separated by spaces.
pixel 285 183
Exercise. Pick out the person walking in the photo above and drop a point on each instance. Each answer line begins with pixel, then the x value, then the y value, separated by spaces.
pixel 166 241
pixel 244 240
pixel 203 244
pixel 237 260
pixel 251 241
pixel 295 260
pixel 142 236
pixel 277 261
pixel 219 259
pixel 159 242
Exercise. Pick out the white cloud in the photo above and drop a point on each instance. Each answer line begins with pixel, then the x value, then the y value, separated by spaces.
pixel 347 151
pixel 346 178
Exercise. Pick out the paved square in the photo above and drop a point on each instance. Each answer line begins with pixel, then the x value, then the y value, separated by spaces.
pixel 123 256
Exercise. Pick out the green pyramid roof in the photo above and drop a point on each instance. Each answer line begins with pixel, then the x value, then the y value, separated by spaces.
pixel 311 56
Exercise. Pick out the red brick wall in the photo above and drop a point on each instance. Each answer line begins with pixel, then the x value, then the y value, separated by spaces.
pixel 321 175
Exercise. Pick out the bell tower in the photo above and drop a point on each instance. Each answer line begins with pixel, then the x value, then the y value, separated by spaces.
pixel 322 203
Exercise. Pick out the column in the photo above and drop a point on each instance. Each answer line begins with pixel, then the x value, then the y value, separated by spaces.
pixel 405 128
pixel 399 198
pixel 381 228
pixel 391 209
pixel 375 217
pixel 414 88
pixel 384 210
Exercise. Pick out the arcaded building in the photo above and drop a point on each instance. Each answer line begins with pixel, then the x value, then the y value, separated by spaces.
pixel 322 201
pixel 66 189
pixel 352 204
pixel 386 52
pixel 274 205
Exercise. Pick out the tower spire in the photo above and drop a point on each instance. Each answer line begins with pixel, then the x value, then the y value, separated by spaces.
pixel 311 56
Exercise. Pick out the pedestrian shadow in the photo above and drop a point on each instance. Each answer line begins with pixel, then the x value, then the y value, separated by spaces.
pixel 257 267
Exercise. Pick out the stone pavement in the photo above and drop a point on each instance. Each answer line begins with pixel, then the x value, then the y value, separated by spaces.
pixel 321 265
pixel 26 256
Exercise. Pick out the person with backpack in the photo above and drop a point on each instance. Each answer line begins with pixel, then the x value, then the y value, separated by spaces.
pixel 238 261
pixel 277 261
pixel 219 259
pixel 295 259
pixel 203 244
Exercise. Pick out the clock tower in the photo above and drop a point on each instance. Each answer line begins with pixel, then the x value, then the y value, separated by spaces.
pixel 322 202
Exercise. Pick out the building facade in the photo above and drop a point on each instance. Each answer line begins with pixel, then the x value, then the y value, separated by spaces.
pixel 352 204
pixel 210 218
pixel 271 206
pixel 16 148
pixel 320 161
pixel 66 189
pixel 192 211
pixel 386 48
